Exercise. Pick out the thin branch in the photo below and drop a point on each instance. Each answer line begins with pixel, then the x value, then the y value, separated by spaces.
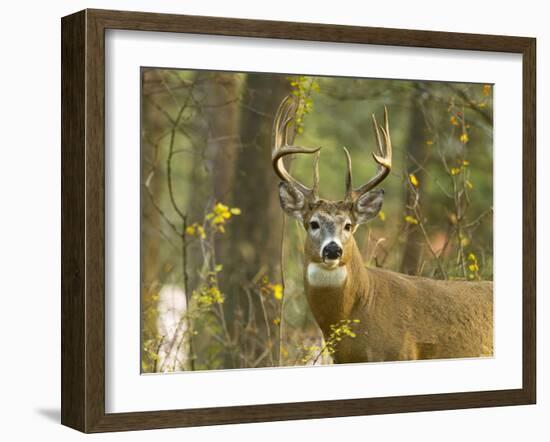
pixel 471 104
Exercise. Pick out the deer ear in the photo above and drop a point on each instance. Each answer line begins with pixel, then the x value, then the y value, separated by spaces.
pixel 293 202
pixel 368 205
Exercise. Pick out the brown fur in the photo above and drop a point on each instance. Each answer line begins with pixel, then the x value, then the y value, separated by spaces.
pixel 403 317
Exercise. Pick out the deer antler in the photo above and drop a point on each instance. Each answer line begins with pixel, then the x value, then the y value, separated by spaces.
pixel 284 131
pixel 383 159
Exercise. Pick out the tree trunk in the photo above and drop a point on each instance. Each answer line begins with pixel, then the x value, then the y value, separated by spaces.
pixel 255 237
pixel 417 151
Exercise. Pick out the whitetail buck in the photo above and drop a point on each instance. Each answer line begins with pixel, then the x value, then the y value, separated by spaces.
pixel 400 317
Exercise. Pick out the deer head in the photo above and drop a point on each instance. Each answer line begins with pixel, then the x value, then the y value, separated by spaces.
pixel 330 225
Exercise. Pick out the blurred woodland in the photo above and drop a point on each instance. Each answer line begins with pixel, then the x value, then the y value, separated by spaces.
pixel 221 273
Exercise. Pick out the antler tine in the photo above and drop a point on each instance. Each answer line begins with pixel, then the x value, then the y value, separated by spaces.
pixel 315 188
pixel 349 189
pixel 283 139
pixel 384 159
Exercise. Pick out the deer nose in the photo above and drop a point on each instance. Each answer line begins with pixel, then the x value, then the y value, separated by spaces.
pixel 332 251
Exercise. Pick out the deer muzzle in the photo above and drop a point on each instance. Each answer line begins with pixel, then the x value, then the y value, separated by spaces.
pixel 332 251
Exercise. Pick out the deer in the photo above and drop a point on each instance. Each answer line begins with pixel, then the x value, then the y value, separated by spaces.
pixel 398 317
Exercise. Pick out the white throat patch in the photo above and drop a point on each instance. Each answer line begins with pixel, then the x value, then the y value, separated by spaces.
pixel 320 276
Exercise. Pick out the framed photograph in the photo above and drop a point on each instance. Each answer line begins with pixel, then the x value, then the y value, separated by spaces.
pixel 266 220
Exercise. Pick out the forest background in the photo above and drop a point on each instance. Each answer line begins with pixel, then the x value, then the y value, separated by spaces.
pixel 221 268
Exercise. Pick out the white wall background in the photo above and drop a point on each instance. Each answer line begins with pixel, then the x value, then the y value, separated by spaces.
pixel 30 217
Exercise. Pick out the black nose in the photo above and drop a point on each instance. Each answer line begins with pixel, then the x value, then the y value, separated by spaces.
pixel 332 251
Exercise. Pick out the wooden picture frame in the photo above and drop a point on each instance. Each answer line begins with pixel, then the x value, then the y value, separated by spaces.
pixel 83 220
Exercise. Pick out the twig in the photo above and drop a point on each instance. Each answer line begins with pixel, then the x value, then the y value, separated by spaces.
pixel 183 236
pixel 283 284
pixel 157 353
pixel 161 212
pixel 419 217
pixel 268 330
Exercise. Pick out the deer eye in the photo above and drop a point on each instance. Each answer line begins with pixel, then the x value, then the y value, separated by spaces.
pixel 348 227
pixel 314 225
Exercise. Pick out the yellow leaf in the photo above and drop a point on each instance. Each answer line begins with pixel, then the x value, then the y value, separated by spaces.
pixel 277 291
pixel 235 211
pixel 464 137
pixel 413 179
pixel 411 219
pixel 382 215
pixel 429 142
pixel 220 208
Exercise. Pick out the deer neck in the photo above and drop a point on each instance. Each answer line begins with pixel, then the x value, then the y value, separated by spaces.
pixel 333 294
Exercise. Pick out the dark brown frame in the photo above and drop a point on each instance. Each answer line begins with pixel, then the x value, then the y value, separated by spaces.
pixel 83 215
